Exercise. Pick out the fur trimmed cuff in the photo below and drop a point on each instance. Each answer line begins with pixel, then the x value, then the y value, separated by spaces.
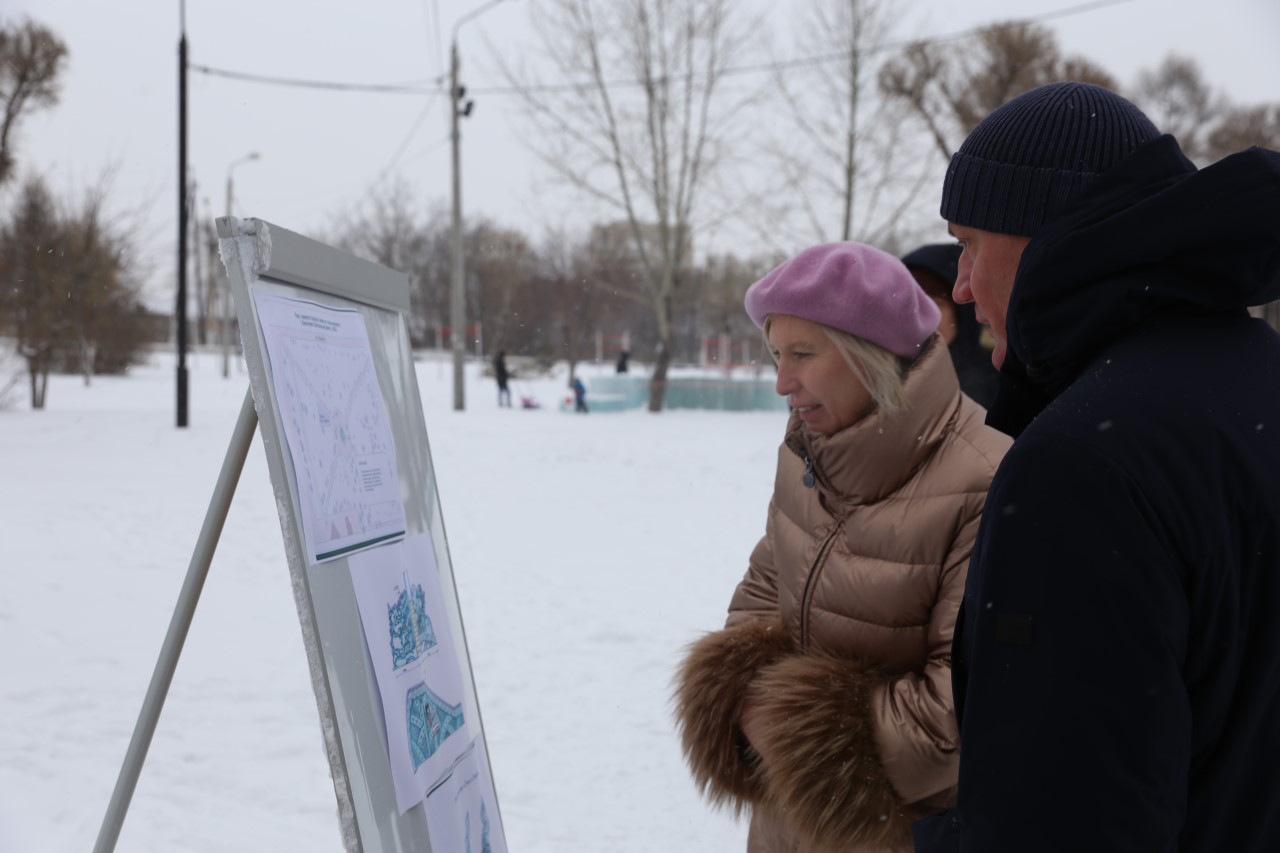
pixel 820 761
pixel 711 690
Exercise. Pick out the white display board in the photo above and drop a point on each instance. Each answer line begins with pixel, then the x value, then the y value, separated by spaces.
pixel 326 344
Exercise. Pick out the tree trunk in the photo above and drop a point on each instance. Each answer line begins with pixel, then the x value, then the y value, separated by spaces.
pixel 662 359
pixel 88 352
pixel 851 130
pixel 38 368
pixel 658 384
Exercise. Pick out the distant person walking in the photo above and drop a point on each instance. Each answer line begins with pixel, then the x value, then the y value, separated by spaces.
pixel 622 360
pixel 502 375
pixel 579 395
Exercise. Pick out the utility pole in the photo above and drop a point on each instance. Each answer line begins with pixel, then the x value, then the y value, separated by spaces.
pixel 197 276
pixel 457 293
pixel 181 311
pixel 457 290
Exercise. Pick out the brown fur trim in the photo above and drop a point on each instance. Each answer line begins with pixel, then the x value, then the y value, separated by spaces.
pixel 711 689
pixel 820 760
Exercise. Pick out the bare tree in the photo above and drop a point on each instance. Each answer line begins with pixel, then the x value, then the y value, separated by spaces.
pixel 31 276
pixel 1207 124
pixel 67 287
pixel 31 58
pixel 951 86
pixel 93 265
pixel 388 229
pixel 1242 127
pixel 725 281
pixel 640 127
pixel 500 264
pixel 843 168
pixel 589 267
pixel 1176 97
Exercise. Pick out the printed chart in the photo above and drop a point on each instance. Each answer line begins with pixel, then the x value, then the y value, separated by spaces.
pixel 335 423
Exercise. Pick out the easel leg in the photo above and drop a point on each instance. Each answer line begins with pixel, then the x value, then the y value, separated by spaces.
pixel 179 624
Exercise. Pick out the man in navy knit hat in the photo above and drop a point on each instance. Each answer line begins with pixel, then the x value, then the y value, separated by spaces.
pixel 1116 663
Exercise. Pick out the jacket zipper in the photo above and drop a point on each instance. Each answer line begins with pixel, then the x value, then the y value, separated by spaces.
pixel 806 598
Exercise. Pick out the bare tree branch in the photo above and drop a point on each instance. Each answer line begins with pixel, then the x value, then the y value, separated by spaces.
pixel 656 144
pixel 31 58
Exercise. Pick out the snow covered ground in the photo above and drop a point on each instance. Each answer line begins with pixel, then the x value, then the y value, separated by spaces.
pixel 588 551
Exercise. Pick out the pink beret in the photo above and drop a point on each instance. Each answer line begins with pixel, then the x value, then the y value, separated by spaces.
pixel 852 287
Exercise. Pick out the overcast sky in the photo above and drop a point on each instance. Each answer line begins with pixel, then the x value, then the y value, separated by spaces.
pixel 323 151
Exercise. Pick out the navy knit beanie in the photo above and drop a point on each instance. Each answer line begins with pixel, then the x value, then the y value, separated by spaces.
pixel 1027 160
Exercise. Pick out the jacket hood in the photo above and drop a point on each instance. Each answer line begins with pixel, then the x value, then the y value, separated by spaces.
pixel 1151 237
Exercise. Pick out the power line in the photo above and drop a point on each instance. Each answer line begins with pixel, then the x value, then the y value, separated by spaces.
pixel 810 60
pixel 437 85
pixel 410 88
pixel 413 131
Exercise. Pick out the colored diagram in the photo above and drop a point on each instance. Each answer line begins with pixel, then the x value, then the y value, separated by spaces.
pixel 430 721
pixel 409 625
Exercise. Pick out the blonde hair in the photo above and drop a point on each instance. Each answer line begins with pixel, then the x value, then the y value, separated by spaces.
pixel 881 372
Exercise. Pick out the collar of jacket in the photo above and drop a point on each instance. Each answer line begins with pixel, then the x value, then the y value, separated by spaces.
pixel 1151 238
pixel 874 457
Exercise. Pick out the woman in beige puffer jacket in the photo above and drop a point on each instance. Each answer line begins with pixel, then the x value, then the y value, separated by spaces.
pixel 824 705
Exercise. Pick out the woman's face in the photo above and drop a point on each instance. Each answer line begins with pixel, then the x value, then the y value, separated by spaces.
pixel 813 376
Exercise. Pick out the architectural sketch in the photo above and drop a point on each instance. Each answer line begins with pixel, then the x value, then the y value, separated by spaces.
pixel 430 721
pixel 345 445
pixel 413 650
pixel 336 423
pixel 409 625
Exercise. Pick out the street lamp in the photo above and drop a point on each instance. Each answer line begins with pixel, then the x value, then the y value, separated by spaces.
pixel 224 333
pixel 457 294
pixel 180 311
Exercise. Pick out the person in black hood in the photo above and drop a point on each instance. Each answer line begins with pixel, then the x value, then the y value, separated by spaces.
pixel 1116 664
pixel 933 266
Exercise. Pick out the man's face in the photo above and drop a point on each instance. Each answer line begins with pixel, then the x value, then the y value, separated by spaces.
pixel 985 277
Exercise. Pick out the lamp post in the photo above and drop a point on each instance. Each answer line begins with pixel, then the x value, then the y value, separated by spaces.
pixel 224 301
pixel 180 310
pixel 457 292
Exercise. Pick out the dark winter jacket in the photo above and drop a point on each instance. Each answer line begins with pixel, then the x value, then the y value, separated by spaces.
pixel 1117 659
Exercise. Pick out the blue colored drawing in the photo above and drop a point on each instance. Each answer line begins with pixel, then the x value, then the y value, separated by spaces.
pixel 485 845
pixel 409 626
pixel 430 722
